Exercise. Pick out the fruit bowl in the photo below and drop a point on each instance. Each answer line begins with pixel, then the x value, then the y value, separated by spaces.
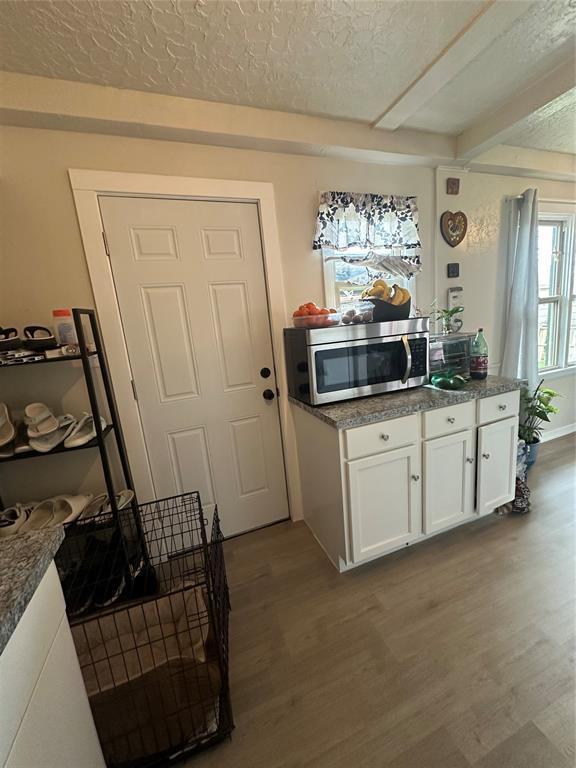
pixel 317 321
pixel 385 311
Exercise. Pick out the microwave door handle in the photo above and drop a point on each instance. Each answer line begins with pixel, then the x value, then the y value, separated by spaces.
pixel 408 370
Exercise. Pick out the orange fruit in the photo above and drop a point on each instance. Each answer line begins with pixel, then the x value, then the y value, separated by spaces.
pixel 324 311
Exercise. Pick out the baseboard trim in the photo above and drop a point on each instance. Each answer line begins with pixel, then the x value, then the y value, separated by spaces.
pixel 552 434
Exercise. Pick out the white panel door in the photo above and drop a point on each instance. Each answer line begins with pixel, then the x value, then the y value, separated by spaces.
pixel 497 449
pixel 448 480
pixel 189 276
pixel 385 501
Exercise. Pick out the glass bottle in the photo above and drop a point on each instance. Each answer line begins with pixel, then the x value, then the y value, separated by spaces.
pixel 479 356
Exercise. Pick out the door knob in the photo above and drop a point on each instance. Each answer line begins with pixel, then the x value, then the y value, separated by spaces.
pixel 485 455
pixel 265 372
pixel 268 394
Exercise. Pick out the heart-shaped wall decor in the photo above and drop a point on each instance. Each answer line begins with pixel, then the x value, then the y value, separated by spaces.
pixel 453 227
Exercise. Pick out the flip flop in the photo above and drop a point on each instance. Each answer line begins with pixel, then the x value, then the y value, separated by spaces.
pixel 7 431
pixel 40 420
pixel 47 443
pixel 97 506
pixel 38 337
pixel 9 339
pixel 83 432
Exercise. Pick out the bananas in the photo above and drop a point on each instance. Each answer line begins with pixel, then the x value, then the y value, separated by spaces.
pixel 380 289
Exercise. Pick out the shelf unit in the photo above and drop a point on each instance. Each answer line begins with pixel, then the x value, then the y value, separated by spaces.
pixel 83 319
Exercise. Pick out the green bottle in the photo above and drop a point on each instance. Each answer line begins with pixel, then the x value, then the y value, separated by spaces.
pixel 479 356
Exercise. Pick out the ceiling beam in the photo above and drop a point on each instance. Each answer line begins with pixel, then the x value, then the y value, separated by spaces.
pixel 500 125
pixel 494 18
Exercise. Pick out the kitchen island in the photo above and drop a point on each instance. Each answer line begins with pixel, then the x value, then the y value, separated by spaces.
pixel 385 472
pixel 45 717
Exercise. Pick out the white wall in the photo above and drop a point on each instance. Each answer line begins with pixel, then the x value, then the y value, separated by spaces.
pixel 43 265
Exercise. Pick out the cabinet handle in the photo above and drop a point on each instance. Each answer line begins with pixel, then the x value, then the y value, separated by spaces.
pixel 385 437
pixel 470 461
pixel 415 478
pixel 501 407
pixel 485 455
pixel 450 419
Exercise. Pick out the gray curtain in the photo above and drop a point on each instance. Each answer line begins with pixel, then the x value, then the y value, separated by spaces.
pixel 520 347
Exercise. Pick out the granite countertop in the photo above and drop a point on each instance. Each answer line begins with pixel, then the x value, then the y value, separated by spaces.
pixel 24 559
pixel 367 410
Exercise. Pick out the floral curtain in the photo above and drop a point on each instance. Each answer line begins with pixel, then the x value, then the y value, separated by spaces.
pixel 376 230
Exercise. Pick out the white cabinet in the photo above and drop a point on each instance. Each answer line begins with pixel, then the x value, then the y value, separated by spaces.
pixel 385 501
pixel 496 481
pixel 449 468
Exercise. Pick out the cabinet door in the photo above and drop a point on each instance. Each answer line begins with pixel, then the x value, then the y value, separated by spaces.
pixel 448 480
pixel 496 464
pixel 385 501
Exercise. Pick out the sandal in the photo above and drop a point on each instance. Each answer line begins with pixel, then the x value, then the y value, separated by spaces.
pixel 47 443
pixel 7 431
pixel 38 337
pixel 40 420
pixel 83 432
pixel 9 339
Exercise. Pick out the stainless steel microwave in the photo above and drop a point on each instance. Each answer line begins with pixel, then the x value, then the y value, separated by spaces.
pixel 347 361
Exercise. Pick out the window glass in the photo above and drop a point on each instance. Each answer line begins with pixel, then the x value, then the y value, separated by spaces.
pixel 546 335
pixel 548 273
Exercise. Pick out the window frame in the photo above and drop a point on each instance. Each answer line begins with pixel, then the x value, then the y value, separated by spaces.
pixel 565 297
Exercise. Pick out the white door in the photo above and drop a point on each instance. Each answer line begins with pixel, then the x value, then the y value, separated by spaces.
pixel 189 276
pixel 496 464
pixel 385 501
pixel 448 480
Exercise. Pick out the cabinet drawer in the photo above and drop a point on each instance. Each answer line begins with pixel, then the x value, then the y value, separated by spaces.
pixel 453 418
pixel 383 436
pixel 498 406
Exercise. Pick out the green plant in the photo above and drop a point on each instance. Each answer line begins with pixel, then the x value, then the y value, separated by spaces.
pixel 535 409
pixel 446 316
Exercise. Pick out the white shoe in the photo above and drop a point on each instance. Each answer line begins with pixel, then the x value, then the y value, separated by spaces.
pixel 47 443
pixel 83 432
pixel 39 419
pixel 66 508
pixel 13 518
pixel 40 516
pixel 7 431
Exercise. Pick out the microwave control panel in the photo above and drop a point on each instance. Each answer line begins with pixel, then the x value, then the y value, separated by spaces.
pixel 419 350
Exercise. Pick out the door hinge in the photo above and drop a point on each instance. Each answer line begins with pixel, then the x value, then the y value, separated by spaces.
pixel 105 243
pixel 134 389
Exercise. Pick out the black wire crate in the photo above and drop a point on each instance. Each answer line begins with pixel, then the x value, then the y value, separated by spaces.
pixel 156 666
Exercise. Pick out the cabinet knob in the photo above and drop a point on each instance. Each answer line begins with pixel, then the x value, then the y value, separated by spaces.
pixel 502 407
pixel 415 478
pixel 485 455
pixel 450 419
pixel 470 461
pixel 384 436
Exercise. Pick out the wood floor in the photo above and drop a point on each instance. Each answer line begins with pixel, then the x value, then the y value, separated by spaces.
pixel 458 652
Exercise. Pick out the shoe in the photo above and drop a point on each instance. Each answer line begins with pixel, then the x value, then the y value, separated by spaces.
pixel 9 339
pixel 47 443
pixel 40 516
pixel 40 420
pixel 96 507
pixel 83 432
pixel 7 451
pixel 7 431
pixel 66 509
pixel 38 337
pixel 13 518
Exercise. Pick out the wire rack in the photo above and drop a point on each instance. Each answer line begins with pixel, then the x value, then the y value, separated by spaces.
pixel 156 667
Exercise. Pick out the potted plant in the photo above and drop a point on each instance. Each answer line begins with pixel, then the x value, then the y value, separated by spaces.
pixel 450 323
pixel 535 409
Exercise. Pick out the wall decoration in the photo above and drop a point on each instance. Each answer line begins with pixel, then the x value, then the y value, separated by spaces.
pixel 452 186
pixel 453 227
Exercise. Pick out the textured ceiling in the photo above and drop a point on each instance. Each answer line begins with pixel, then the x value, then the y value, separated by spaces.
pixel 539 41
pixel 345 58
pixel 552 128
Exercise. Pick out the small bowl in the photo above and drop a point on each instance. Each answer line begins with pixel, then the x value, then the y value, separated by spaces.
pixel 317 321
pixel 384 311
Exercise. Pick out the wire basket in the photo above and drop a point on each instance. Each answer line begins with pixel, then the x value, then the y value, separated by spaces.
pixel 156 667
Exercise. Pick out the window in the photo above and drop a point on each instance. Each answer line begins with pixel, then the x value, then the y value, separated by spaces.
pixel 556 304
pixel 344 282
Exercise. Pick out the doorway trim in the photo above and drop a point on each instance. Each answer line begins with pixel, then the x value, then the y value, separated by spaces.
pixel 86 187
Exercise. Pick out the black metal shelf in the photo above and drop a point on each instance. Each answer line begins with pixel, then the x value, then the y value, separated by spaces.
pixel 59 448
pixel 62 359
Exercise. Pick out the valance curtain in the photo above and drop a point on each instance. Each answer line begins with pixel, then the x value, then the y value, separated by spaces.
pixel 520 348
pixel 375 230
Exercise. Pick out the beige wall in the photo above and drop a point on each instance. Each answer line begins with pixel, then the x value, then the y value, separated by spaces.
pixel 42 265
